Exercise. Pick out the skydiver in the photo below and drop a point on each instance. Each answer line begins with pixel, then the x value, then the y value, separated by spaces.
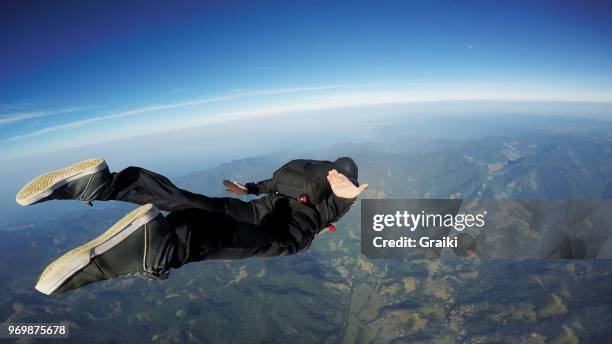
pixel 301 199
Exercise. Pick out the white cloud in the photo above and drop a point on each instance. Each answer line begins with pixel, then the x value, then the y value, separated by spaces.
pixel 155 108
pixel 23 116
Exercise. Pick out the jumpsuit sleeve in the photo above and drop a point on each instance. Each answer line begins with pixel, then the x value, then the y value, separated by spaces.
pixel 262 187
pixel 337 207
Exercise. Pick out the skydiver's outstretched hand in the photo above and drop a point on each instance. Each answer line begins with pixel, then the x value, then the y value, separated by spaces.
pixel 342 186
pixel 234 187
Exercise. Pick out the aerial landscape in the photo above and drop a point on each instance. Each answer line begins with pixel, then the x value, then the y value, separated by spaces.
pixel 335 292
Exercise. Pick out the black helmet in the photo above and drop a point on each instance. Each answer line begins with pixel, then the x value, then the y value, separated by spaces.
pixel 348 167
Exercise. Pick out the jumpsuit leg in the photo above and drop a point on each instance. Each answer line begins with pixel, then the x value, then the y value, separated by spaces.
pixel 141 186
pixel 204 235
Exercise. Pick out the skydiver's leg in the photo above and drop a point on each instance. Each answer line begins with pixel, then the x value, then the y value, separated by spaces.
pixel 203 235
pixel 141 186
pixel 148 243
pixel 90 180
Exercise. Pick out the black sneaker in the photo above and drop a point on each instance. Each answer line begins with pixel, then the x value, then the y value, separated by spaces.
pixel 141 243
pixel 82 181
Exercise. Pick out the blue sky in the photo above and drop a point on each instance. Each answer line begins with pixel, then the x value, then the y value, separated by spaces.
pixel 92 71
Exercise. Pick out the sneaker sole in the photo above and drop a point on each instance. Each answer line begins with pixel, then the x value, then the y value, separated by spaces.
pixel 56 273
pixel 44 185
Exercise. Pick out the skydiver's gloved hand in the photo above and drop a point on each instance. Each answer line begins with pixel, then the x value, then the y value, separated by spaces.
pixel 235 188
pixel 343 187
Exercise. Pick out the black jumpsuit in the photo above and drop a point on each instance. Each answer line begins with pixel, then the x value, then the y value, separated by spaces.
pixel 225 227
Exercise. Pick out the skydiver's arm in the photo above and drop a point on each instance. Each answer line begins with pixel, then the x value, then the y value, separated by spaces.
pixel 262 187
